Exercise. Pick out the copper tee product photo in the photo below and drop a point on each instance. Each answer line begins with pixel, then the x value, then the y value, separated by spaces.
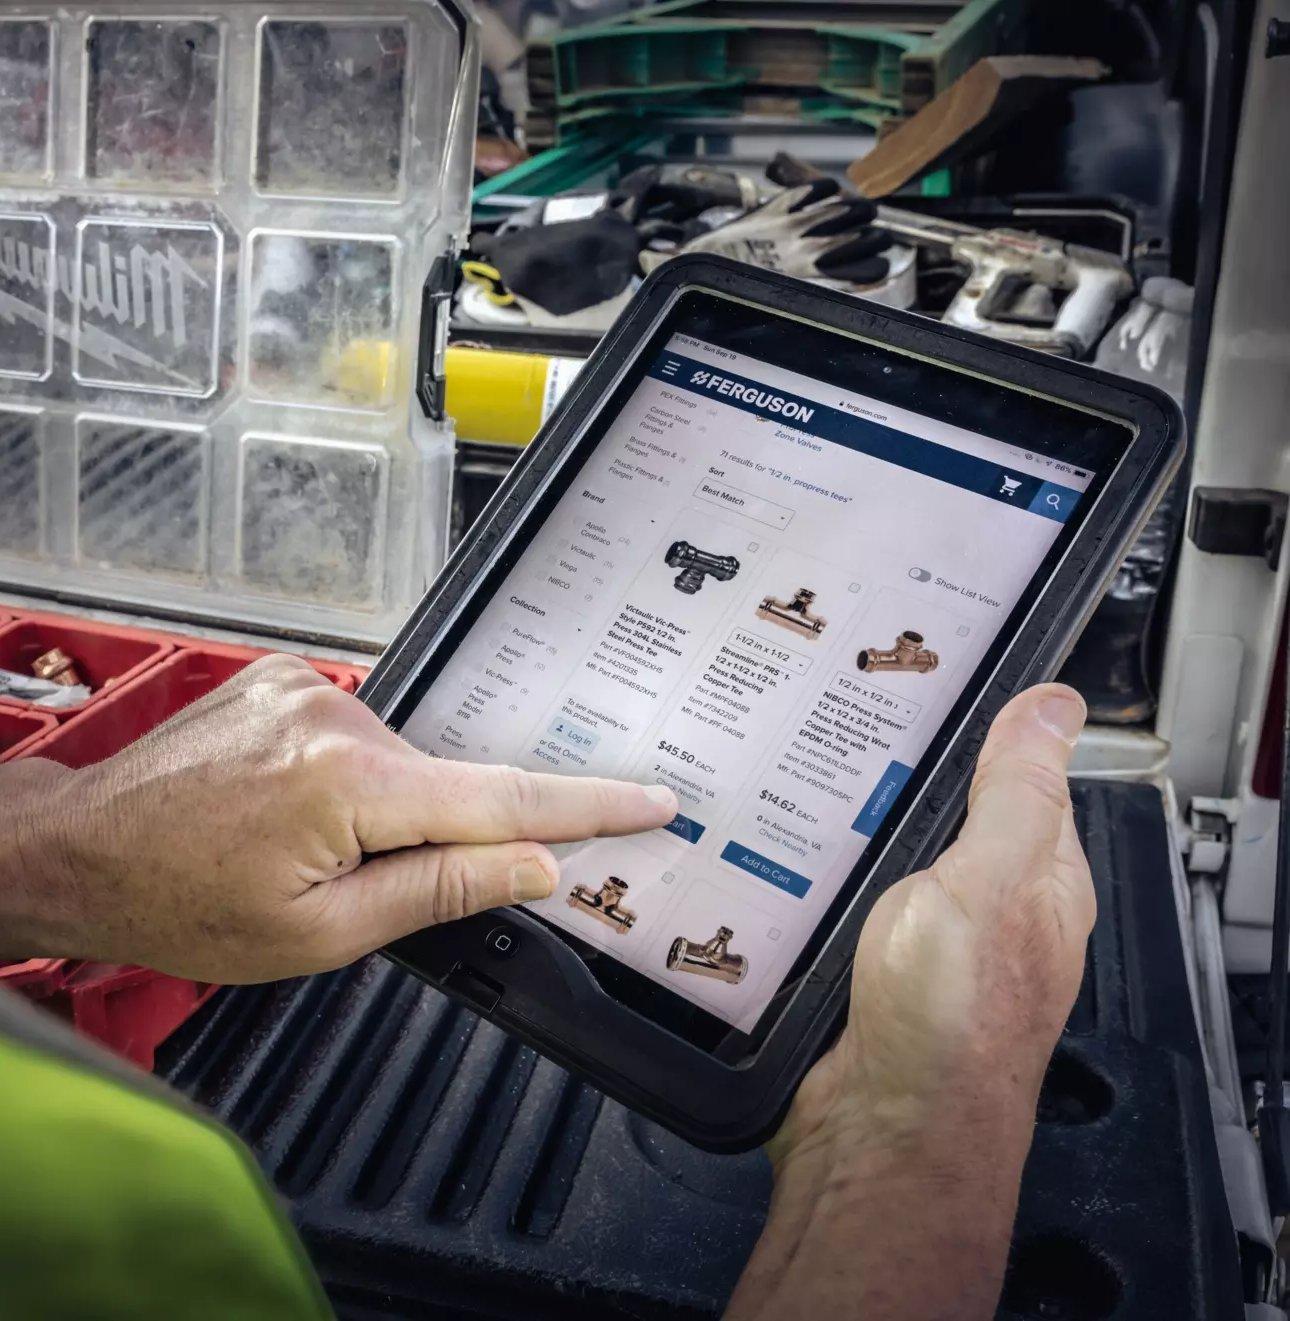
pixel 605 904
pixel 710 958
pixel 908 656
pixel 795 615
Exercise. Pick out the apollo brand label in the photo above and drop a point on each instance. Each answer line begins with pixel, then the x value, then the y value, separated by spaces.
pixel 753 394
pixel 139 303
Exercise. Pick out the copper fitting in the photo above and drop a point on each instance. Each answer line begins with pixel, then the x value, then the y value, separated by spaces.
pixel 795 614
pixel 711 959
pixel 908 654
pixel 605 904
pixel 56 666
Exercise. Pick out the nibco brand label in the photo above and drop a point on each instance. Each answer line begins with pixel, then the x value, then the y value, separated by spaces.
pixel 137 301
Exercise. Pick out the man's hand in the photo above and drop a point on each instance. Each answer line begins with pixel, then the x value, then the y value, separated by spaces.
pixel 276 827
pixel 897 1169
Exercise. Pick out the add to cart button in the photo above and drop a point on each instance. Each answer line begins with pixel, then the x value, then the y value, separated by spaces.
pixel 688 830
pixel 893 780
pixel 771 872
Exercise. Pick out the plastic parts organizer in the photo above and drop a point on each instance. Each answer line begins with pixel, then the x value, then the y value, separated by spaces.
pixel 216 223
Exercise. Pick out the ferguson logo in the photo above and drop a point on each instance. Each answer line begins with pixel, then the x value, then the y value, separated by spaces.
pixel 751 394
pixel 137 288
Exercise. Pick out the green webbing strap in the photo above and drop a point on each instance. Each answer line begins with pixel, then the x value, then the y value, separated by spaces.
pixel 118 1202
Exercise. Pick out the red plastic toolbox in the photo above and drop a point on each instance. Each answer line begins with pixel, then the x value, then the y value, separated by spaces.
pixel 20 728
pixel 36 978
pixel 129 712
pixel 129 1009
pixel 345 677
pixel 132 1010
pixel 105 655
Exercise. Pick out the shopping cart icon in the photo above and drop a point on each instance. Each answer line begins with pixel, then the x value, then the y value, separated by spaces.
pixel 1010 486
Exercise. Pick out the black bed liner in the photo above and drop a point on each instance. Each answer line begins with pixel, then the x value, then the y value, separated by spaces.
pixel 438 1168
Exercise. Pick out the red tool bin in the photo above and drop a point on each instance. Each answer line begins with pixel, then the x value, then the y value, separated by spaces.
pixel 130 711
pixel 105 655
pixel 20 728
pixel 130 1009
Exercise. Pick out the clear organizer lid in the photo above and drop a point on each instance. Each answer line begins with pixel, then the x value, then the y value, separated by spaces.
pixel 215 227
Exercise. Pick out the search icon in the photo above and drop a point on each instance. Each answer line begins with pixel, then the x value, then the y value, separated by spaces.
pixel 1055 500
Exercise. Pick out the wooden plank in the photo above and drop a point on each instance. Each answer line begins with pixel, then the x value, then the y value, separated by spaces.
pixel 957 123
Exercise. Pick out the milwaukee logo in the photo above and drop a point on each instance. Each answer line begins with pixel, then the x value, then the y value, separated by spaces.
pixel 141 287
pixel 754 395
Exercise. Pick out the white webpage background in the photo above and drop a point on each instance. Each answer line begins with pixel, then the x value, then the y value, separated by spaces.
pixel 589 661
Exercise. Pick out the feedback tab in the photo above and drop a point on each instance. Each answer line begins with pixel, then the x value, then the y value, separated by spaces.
pixel 682 826
pixel 772 873
pixel 889 785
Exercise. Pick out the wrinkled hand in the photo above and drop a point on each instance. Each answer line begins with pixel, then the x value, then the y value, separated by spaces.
pixel 898 1166
pixel 276 827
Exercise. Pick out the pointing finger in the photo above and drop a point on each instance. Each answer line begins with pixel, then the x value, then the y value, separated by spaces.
pixel 432 801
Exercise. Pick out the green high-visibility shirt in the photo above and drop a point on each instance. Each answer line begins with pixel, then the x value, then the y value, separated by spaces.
pixel 119 1200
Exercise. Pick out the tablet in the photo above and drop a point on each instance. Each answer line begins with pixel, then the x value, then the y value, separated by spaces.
pixel 787 553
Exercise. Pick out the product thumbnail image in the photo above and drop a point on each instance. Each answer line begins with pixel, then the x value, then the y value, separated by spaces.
pixel 709 959
pixel 605 904
pixel 696 564
pixel 795 615
pixel 908 656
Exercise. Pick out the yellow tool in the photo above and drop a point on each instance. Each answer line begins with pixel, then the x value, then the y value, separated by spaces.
pixel 503 398
pixel 489 278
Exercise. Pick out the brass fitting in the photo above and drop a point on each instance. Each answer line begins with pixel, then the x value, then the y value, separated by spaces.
pixel 695 564
pixel 604 904
pixel 712 959
pixel 795 614
pixel 908 654
pixel 56 666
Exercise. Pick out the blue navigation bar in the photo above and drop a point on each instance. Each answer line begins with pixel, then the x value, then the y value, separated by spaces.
pixel 885 792
pixel 970 472
pixel 690 831
pixel 771 872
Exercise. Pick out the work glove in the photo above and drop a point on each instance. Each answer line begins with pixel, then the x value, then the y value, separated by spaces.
pixel 679 193
pixel 811 231
pixel 564 268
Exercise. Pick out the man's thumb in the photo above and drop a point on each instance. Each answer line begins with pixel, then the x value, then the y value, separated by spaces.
pixel 1019 797
pixel 398 893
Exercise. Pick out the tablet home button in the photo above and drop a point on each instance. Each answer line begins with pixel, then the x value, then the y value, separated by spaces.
pixel 502 942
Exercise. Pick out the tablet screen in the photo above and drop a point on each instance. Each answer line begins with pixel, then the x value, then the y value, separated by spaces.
pixel 771 583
